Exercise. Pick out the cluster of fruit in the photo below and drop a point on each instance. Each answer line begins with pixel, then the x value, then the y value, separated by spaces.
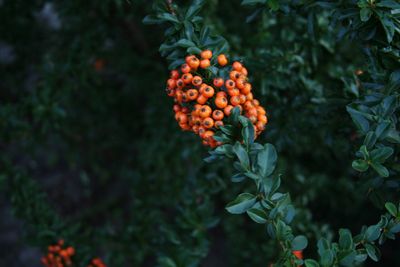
pixel 58 256
pixel 204 98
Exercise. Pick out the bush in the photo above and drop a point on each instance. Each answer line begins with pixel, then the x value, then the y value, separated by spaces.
pixel 92 159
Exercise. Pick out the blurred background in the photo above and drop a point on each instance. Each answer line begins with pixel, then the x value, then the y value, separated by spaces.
pixel 95 156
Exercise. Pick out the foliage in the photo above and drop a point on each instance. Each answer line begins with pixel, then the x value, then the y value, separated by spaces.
pixel 91 156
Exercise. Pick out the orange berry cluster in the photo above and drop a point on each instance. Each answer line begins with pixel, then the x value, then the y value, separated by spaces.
pixel 58 256
pixel 203 100
pixel 97 262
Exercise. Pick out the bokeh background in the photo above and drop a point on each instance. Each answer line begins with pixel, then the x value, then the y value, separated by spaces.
pixel 88 136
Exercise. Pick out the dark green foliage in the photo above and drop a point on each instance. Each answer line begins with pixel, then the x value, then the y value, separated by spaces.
pixel 91 154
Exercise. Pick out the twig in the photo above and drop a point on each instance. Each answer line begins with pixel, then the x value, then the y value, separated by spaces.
pixel 170 8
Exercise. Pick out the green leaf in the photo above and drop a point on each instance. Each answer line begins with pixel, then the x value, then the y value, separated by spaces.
pixel 389 4
pixel 327 258
pixel 370 139
pixel 372 233
pixel 253 2
pixel 300 242
pixel 238 177
pixel 360 121
pixel 151 19
pixel 257 215
pixel 311 263
pixel 360 165
pixel 185 43
pixel 391 208
pixel 345 239
pixel 382 129
pixel 380 169
pixel 242 155
pixel 348 258
pixel 168 17
pixel 381 154
pixel 372 252
pixel 241 204
pixel 273 4
pixel 365 14
pixel 389 27
pixel 266 160
pixel 194 50
pixel 194 9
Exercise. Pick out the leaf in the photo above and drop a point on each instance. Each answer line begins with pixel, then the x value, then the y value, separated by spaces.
pixel 241 204
pixel 300 242
pixel 311 263
pixel 372 252
pixel 242 155
pixel 361 122
pixel 391 208
pixel 345 239
pixel 389 27
pixel 372 233
pixel 273 4
pixel 194 50
pixel 360 165
pixel 381 154
pixel 168 17
pixel 266 160
pixel 238 177
pixel 389 4
pixel 253 2
pixel 151 19
pixel 365 14
pixel 194 9
pixel 327 258
pixel 370 139
pixel 380 169
pixel 382 129
pixel 257 215
pixel 185 43
pixel 348 259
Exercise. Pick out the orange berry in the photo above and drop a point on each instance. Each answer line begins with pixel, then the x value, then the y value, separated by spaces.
pixel 242 98
pixel 248 105
pixel 228 110
pixel 249 96
pixel 204 63
pixel 234 75
pixel 171 83
pixel 217 115
pixel 206 54
pixel 261 110
pixel 252 112
pixel 208 135
pixel 187 78
pixel 202 99
pixel 256 102
pixel 194 63
pixel 208 123
pixel 260 126
pixel 185 68
pixel 233 92
pixel 240 83
pixel 221 102
pixel 188 58
pixel 253 119
pixel 196 81
pixel 202 131
pixel 218 124
pixel 218 82
pixel 222 60
pixel 180 83
pixel 221 94
pixel 208 91
pixel 192 94
pixel 237 66
pixel 174 74
pixel 244 71
pixel 235 100
pixel 71 251
pixel 262 118
pixel 229 84
pixel 205 111
pixel 185 110
pixel 246 89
